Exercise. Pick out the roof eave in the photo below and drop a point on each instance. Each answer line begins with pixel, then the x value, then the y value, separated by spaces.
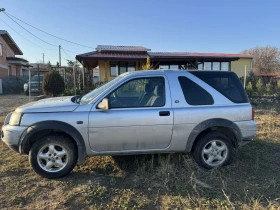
pixel 17 50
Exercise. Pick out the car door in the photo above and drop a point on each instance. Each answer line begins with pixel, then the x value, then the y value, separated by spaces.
pixel 129 126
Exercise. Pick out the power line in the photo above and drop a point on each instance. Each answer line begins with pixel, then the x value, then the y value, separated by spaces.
pixel 23 36
pixel 66 54
pixel 48 33
pixel 71 51
pixel 29 31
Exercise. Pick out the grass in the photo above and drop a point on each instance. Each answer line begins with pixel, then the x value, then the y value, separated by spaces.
pixel 172 181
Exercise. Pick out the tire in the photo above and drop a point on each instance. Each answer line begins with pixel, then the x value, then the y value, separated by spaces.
pixel 53 156
pixel 208 154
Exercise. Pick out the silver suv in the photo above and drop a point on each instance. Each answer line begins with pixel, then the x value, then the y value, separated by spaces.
pixel 206 113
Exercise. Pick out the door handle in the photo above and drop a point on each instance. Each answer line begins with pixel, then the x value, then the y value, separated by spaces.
pixel 164 113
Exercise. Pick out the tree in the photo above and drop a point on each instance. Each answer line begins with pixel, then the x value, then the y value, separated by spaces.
pixel 266 59
pixel 269 88
pixel 53 84
pixel 252 79
pixel 260 87
pixel 147 65
pixel 49 65
pixel 249 89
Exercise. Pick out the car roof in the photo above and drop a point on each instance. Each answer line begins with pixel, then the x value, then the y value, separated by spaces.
pixel 170 71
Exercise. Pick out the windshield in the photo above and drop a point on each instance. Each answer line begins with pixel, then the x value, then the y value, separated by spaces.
pixel 93 94
pixel 35 78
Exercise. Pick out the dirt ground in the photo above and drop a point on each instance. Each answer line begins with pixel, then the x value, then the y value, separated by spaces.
pixel 174 181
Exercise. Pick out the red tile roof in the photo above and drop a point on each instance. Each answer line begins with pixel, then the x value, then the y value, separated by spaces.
pixel 196 54
pixel 122 48
pixel 114 55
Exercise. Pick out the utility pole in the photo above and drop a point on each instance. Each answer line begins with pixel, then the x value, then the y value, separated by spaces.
pixel 2 10
pixel 43 61
pixel 59 56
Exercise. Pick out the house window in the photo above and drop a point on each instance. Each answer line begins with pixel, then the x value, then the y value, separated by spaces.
pixel 1 50
pixel 216 66
pixel 207 66
pixel 200 66
pixel 224 66
pixel 172 67
pixel 164 67
pixel 114 69
pixel 117 68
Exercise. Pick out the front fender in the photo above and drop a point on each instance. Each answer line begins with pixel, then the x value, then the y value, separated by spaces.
pixel 42 128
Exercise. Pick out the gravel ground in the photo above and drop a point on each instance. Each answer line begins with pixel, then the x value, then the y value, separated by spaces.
pixel 9 103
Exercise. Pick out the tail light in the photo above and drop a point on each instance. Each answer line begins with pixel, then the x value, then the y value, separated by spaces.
pixel 253 113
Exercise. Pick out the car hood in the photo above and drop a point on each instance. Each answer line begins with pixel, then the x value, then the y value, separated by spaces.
pixel 56 104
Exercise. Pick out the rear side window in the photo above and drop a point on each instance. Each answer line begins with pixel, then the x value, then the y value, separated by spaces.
pixel 194 94
pixel 227 83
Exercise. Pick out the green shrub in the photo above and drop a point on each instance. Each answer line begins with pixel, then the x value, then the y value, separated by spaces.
pixel 71 92
pixel 278 89
pixel 253 79
pixel 260 87
pixel 269 88
pixel 53 84
pixel 249 89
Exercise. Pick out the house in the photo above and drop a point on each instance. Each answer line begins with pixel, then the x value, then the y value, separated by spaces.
pixel 9 64
pixel 115 60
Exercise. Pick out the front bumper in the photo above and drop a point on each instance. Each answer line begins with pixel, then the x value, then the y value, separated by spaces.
pixel 10 135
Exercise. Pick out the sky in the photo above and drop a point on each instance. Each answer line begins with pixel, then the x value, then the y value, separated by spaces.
pixel 161 25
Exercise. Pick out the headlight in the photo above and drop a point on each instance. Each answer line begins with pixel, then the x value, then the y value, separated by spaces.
pixel 25 86
pixel 7 119
pixel 15 118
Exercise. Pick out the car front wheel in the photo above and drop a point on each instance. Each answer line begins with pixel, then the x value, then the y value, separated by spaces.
pixel 212 150
pixel 53 156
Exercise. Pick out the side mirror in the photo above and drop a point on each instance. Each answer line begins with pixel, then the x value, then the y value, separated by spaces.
pixel 104 104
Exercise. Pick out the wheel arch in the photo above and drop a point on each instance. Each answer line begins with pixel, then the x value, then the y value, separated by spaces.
pixel 40 129
pixel 223 126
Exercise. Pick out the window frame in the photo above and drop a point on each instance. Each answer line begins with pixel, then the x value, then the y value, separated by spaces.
pixel 135 107
pixel 119 64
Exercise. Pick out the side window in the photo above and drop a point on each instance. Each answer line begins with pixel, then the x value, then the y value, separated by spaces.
pixel 227 83
pixel 194 94
pixel 141 92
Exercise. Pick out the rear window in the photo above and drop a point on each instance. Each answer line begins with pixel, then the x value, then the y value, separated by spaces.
pixel 194 94
pixel 227 83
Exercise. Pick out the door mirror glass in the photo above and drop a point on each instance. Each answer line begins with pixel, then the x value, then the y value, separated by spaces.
pixel 104 104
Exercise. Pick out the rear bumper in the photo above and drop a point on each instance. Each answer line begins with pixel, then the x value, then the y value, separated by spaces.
pixel 248 131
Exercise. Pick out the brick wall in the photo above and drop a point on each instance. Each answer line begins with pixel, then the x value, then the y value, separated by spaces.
pixel 6 52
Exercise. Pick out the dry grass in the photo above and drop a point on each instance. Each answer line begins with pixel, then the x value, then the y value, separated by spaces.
pixel 174 181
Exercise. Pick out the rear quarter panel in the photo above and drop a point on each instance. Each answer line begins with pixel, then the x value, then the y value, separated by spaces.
pixel 187 117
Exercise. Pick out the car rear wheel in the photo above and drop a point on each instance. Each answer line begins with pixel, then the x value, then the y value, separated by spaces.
pixel 212 150
pixel 53 156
